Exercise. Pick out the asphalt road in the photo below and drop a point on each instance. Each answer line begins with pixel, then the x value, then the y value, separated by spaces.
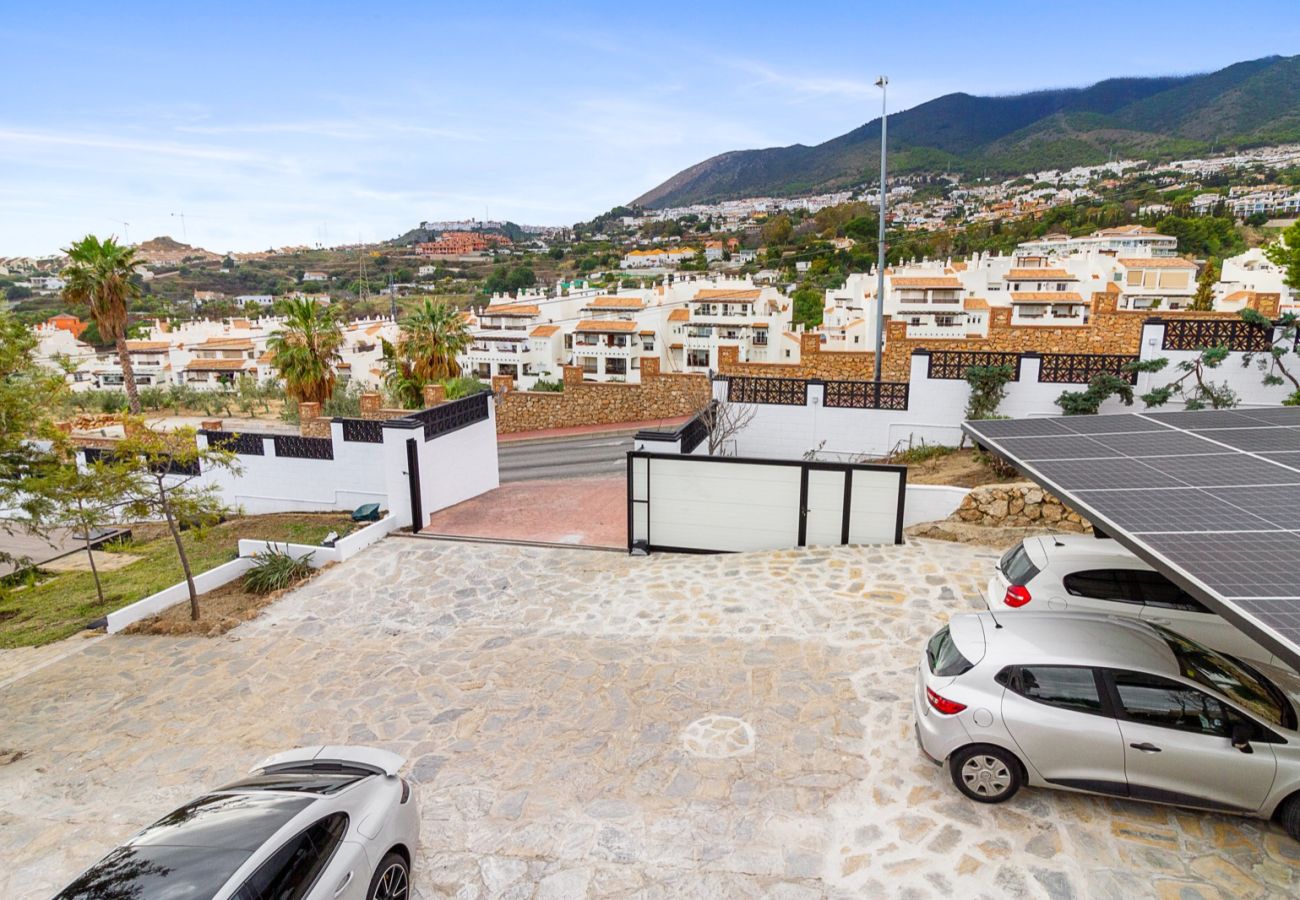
pixel 572 457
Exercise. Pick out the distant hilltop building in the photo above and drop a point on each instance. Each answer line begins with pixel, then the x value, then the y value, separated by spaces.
pixel 652 259
pixel 460 243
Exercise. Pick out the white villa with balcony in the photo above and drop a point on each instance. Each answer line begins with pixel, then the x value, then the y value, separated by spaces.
pixel 683 323
pixel 1049 282
pixel 1155 282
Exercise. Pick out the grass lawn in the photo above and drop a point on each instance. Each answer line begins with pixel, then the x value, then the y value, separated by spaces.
pixel 65 603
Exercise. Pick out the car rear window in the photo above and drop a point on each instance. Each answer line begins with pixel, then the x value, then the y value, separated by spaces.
pixel 1017 566
pixel 298 782
pixel 944 659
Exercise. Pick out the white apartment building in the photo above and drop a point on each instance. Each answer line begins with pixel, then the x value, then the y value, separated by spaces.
pixel 1250 273
pixel 655 258
pixel 1125 240
pixel 953 299
pixel 683 324
pixel 209 354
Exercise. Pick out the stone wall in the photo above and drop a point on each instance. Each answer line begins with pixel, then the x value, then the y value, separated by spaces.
pixel 1110 330
pixel 658 396
pixel 1018 505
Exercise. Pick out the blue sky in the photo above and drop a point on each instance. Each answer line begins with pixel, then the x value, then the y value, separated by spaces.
pixel 285 123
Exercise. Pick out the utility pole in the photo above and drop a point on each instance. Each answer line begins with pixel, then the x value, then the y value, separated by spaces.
pixel 883 83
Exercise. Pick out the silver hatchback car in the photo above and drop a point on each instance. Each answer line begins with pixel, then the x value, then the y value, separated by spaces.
pixel 316 823
pixel 1108 705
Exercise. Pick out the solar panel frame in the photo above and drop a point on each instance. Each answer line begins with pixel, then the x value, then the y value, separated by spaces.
pixel 1250 575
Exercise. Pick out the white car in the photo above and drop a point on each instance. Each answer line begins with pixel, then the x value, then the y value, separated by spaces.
pixel 1107 705
pixel 316 823
pixel 1081 573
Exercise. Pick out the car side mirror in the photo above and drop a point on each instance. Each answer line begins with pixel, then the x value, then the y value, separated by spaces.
pixel 1241 737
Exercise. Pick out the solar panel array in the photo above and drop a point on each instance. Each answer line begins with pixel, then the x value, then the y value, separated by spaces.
pixel 1210 497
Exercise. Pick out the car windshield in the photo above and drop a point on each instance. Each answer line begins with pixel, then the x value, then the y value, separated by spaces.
pixel 1230 677
pixel 156 871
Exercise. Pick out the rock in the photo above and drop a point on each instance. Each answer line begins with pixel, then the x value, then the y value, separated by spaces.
pixel 566 885
pixel 499 872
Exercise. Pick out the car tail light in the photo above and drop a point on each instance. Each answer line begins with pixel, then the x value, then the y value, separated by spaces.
pixel 943 704
pixel 406 790
pixel 1017 596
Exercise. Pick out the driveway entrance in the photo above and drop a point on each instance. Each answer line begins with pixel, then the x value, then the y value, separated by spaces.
pixel 583 511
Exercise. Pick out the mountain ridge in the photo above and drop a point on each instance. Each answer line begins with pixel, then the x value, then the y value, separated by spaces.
pixel 1247 103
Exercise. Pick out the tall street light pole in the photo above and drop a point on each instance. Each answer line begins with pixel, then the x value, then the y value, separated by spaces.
pixel 883 83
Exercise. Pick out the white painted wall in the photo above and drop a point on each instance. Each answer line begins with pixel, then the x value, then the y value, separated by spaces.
pixel 931 502
pixel 936 408
pixel 268 483
pixel 455 467
pixel 156 603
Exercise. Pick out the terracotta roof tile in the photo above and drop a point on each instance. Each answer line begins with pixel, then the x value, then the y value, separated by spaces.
pixel 975 303
pixel 616 303
pixel 146 346
pixel 1045 296
pixel 219 343
pixel 217 365
pixel 678 315
pixel 930 282
pixel 1039 275
pixel 613 325
pixel 513 309
pixel 544 331
pixel 727 294
pixel 1155 262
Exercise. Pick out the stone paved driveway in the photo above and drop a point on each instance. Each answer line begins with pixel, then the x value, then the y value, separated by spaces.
pixel 587 724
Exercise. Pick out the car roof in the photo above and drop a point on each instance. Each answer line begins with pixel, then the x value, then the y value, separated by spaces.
pixel 1064 638
pixel 1077 546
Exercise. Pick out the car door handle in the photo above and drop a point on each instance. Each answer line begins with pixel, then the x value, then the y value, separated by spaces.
pixel 1146 748
pixel 1161 621
pixel 343 885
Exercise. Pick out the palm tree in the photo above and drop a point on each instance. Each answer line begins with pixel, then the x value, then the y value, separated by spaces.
pixel 432 337
pixel 98 276
pixel 306 350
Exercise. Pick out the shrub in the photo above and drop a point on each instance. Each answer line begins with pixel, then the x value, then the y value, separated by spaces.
pixel 463 386
pixel 554 387
pixel 275 570
pixel 919 453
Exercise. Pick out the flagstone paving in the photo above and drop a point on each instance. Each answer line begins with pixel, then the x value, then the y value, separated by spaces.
pixel 590 724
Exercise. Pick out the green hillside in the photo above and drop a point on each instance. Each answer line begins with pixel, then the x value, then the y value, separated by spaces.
pixel 1248 103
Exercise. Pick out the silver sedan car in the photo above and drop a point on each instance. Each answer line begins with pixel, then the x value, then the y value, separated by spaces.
pixel 307 824
pixel 1108 705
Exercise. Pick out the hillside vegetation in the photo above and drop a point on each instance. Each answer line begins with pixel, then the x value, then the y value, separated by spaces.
pixel 1246 104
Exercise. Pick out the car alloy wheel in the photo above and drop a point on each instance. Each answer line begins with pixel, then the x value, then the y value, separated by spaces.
pixel 392 884
pixel 986 776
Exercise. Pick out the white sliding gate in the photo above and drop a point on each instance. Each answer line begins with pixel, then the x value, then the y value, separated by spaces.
pixel 718 503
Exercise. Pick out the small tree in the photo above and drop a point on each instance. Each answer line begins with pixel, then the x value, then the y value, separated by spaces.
pixel 1286 253
pixel 724 420
pixel 1192 387
pixel 161 471
pixel 988 388
pixel 83 501
pixel 1203 301
pixel 1101 387
pixel 1272 361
